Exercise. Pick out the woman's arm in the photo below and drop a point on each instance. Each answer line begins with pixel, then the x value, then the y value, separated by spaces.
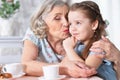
pixel 112 53
pixel 29 56
pixel 76 68
pixel 34 68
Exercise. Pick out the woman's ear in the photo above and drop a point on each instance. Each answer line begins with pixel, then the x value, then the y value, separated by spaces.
pixel 95 25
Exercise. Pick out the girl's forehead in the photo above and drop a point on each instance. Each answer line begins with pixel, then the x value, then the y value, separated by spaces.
pixel 77 16
pixel 77 13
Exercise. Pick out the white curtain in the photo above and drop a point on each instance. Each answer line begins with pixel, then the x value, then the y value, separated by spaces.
pixel 110 10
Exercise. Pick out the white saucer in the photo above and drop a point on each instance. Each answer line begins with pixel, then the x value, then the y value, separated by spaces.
pixel 60 77
pixel 18 75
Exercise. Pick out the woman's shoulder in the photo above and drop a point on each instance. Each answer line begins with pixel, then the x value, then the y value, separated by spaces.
pixel 29 35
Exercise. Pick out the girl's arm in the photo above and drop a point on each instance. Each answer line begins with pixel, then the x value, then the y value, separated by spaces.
pixel 93 61
pixel 69 45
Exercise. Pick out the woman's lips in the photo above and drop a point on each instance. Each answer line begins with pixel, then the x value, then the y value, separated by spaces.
pixel 67 31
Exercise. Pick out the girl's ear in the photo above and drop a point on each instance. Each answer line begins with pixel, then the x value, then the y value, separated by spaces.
pixel 95 25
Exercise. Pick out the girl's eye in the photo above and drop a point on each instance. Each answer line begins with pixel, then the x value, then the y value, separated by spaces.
pixel 57 18
pixel 69 24
pixel 78 23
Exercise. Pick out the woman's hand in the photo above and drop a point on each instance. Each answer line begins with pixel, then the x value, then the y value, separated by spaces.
pixel 112 53
pixel 76 69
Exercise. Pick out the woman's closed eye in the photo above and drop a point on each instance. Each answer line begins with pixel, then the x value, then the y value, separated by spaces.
pixel 57 18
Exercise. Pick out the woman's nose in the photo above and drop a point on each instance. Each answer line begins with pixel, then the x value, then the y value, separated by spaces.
pixel 65 23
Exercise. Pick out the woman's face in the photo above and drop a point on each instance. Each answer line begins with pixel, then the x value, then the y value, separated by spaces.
pixel 57 22
pixel 80 26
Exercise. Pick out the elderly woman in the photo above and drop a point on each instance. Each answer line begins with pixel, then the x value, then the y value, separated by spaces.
pixel 43 42
pixel 112 53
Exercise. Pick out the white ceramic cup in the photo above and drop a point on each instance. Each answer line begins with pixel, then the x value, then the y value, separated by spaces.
pixel 51 72
pixel 13 68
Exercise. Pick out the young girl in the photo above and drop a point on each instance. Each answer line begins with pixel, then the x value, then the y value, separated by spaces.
pixel 86 27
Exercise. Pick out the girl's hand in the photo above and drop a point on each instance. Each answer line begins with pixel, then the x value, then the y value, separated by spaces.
pixel 69 43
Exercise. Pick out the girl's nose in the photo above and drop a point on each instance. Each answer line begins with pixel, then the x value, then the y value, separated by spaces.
pixel 72 27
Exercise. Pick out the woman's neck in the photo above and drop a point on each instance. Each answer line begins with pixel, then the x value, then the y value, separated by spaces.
pixel 56 45
pixel 54 41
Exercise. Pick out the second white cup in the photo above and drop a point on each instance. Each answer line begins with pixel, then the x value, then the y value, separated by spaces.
pixel 13 68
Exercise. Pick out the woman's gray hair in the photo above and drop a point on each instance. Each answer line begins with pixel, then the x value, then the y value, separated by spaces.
pixel 38 25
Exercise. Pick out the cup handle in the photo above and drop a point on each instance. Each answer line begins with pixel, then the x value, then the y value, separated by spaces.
pixel 4 69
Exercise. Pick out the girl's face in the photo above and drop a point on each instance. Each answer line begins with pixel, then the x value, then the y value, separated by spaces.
pixel 57 23
pixel 80 26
